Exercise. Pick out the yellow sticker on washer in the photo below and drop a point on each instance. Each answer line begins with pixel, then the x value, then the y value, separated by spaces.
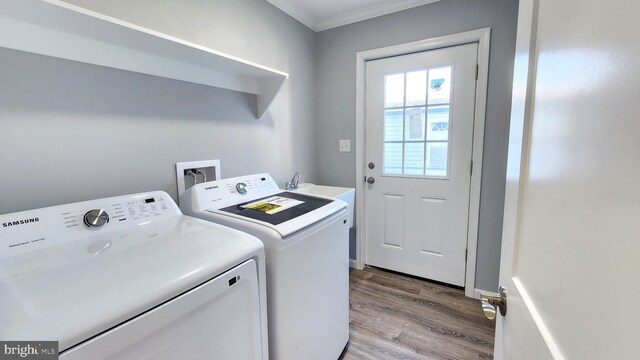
pixel 273 204
pixel 264 207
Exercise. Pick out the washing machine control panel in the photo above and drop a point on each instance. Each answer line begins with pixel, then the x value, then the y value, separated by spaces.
pixel 95 218
pixel 226 192
pixel 241 188
pixel 31 230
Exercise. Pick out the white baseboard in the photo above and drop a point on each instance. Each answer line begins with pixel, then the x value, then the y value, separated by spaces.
pixel 353 264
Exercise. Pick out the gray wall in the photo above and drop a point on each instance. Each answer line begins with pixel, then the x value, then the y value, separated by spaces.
pixel 335 108
pixel 73 131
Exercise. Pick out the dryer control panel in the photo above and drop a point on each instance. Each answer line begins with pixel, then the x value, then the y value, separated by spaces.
pixel 35 229
pixel 226 192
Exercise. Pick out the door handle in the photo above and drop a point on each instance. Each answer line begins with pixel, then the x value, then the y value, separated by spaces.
pixel 371 180
pixel 492 301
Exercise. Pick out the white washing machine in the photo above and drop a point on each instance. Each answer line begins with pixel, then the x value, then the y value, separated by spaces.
pixel 130 277
pixel 307 252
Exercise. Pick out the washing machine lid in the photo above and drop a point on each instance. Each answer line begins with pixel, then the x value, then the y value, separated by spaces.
pixel 258 200
pixel 278 208
pixel 62 281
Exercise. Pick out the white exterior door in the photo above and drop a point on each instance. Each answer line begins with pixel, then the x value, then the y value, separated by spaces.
pixel 419 132
pixel 571 238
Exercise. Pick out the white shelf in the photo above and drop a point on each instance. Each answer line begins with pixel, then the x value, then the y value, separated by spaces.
pixel 58 29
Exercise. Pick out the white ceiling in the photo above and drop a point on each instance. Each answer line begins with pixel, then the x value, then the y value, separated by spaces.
pixel 326 14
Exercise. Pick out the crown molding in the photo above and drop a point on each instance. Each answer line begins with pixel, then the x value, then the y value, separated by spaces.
pixel 296 12
pixel 369 13
pixel 317 25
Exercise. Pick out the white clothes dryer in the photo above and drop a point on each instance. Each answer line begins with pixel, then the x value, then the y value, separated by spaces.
pixel 130 277
pixel 307 255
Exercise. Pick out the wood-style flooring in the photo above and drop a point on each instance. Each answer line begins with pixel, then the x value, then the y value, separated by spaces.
pixel 400 317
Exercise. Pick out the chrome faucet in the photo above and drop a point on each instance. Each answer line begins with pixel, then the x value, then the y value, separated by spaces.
pixel 293 184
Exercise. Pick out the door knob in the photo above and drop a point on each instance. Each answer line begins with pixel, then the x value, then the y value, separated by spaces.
pixel 371 180
pixel 491 301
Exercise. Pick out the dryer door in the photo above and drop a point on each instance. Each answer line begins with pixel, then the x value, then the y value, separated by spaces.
pixel 219 319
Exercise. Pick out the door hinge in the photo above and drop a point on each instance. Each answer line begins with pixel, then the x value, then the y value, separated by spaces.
pixel 471 168
pixel 477 71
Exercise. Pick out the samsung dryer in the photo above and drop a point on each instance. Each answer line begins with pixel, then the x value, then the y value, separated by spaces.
pixel 307 256
pixel 130 277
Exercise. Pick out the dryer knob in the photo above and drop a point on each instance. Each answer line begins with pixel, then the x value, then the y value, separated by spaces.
pixel 241 188
pixel 96 218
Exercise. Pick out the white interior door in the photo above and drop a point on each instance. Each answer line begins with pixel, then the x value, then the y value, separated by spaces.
pixel 572 209
pixel 419 132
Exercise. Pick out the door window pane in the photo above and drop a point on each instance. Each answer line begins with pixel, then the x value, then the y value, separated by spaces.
pixel 438 123
pixel 416 136
pixel 393 158
pixel 437 159
pixel 393 90
pixel 416 88
pixel 414 158
pixel 393 125
pixel 440 85
pixel 414 124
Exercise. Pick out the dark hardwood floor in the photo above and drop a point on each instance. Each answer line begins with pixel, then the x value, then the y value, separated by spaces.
pixel 399 317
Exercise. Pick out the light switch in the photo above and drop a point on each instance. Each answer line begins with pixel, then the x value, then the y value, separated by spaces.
pixel 344 145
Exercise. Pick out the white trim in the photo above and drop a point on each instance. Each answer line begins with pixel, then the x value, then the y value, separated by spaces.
pixel 352 264
pixel 524 78
pixel 477 293
pixel 478 148
pixel 482 37
pixel 305 17
pixel 369 13
pixel 296 12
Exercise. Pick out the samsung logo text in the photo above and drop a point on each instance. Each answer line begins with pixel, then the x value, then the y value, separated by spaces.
pixel 20 222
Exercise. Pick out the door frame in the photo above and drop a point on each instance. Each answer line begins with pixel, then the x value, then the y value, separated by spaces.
pixel 483 38
pixel 523 91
